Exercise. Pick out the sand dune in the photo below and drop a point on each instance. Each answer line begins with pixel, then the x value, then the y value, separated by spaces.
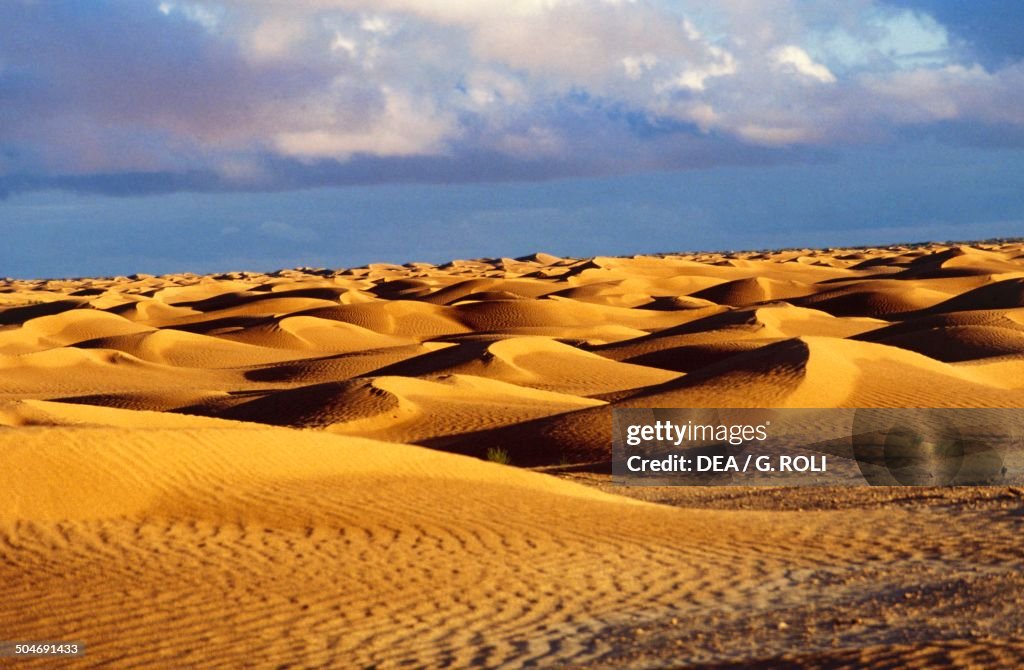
pixel 957 336
pixel 56 373
pixel 148 311
pixel 289 469
pixel 407 409
pixel 752 290
pixel 518 316
pixel 678 329
pixel 960 261
pixel 831 372
pixel 187 350
pixel 874 299
pixel 78 325
pixel 339 367
pixel 312 333
pixel 399 317
pixel 328 551
pixel 699 342
pixel 1005 294
pixel 535 362
pixel 811 327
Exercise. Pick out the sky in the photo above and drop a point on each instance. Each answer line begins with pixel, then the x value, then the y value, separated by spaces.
pixel 167 136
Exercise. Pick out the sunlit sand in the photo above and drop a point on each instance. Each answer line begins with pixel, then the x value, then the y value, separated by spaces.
pixel 291 469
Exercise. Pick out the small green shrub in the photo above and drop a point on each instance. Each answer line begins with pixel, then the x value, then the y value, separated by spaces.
pixel 498 455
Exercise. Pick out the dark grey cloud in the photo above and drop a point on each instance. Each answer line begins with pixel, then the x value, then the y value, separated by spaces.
pixel 859 197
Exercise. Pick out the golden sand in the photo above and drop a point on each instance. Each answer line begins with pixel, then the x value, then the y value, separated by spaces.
pixel 223 471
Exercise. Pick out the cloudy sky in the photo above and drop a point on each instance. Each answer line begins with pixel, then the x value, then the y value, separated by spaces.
pixel 170 135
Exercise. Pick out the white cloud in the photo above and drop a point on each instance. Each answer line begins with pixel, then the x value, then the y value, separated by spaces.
pixel 274 36
pixel 376 24
pixel 636 66
pixel 585 83
pixel 756 72
pixel 206 16
pixel 405 127
pixel 346 44
pixel 950 93
pixel 695 78
pixel 488 88
pixel 792 59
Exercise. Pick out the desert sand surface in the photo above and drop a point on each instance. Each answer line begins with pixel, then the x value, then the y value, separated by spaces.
pixel 405 466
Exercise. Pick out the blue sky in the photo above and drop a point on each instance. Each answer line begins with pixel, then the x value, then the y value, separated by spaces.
pixel 167 136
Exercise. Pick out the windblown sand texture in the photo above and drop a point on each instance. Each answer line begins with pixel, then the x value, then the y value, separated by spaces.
pixel 289 469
